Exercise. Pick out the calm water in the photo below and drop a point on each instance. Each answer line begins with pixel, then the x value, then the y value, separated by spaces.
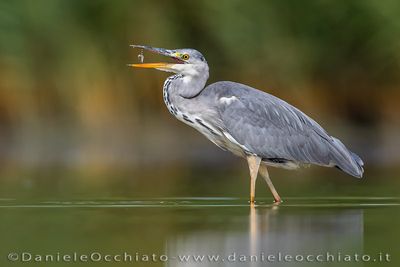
pixel 225 229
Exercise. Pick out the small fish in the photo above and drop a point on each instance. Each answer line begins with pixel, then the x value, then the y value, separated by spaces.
pixel 141 56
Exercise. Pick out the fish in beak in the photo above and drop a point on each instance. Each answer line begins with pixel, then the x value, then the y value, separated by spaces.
pixel 163 66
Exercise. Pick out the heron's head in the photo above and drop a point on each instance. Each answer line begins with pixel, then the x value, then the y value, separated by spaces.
pixel 187 61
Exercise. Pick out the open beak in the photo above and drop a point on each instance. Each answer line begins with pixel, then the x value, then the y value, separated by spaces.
pixel 161 65
pixel 150 65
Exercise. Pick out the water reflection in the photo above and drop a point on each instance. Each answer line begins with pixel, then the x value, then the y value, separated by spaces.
pixel 226 227
pixel 248 240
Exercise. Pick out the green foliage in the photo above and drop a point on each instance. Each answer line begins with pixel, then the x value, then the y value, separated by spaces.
pixel 63 62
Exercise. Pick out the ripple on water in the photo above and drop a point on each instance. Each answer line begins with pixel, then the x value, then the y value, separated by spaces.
pixel 317 202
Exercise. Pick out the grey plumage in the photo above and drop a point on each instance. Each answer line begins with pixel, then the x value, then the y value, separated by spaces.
pixel 248 122
pixel 276 131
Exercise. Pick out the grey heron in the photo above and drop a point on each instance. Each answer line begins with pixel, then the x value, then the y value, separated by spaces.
pixel 265 130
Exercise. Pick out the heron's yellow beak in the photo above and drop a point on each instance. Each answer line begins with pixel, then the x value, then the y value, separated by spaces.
pixel 152 65
pixel 163 66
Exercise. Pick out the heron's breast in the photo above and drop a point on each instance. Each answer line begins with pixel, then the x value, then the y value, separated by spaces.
pixel 209 128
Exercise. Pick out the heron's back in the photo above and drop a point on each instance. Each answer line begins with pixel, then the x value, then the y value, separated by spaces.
pixel 275 130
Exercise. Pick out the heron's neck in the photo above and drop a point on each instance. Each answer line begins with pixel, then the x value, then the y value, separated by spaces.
pixel 178 88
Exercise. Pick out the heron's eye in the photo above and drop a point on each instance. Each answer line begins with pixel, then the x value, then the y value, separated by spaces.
pixel 185 56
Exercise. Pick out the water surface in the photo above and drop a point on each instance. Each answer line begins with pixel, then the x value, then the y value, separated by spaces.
pixel 176 230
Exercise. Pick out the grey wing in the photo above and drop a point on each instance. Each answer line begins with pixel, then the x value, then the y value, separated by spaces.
pixel 276 131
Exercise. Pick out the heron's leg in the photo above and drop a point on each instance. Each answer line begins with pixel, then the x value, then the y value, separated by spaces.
pixel 254 164
pixel 265 175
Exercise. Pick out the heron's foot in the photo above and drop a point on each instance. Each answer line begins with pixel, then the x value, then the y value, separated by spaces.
pixel 252 204
pixel 278 201
pixel 252 200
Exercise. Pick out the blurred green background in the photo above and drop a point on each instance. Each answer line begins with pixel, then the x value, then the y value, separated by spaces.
pixel 76 122
pixel 91 159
